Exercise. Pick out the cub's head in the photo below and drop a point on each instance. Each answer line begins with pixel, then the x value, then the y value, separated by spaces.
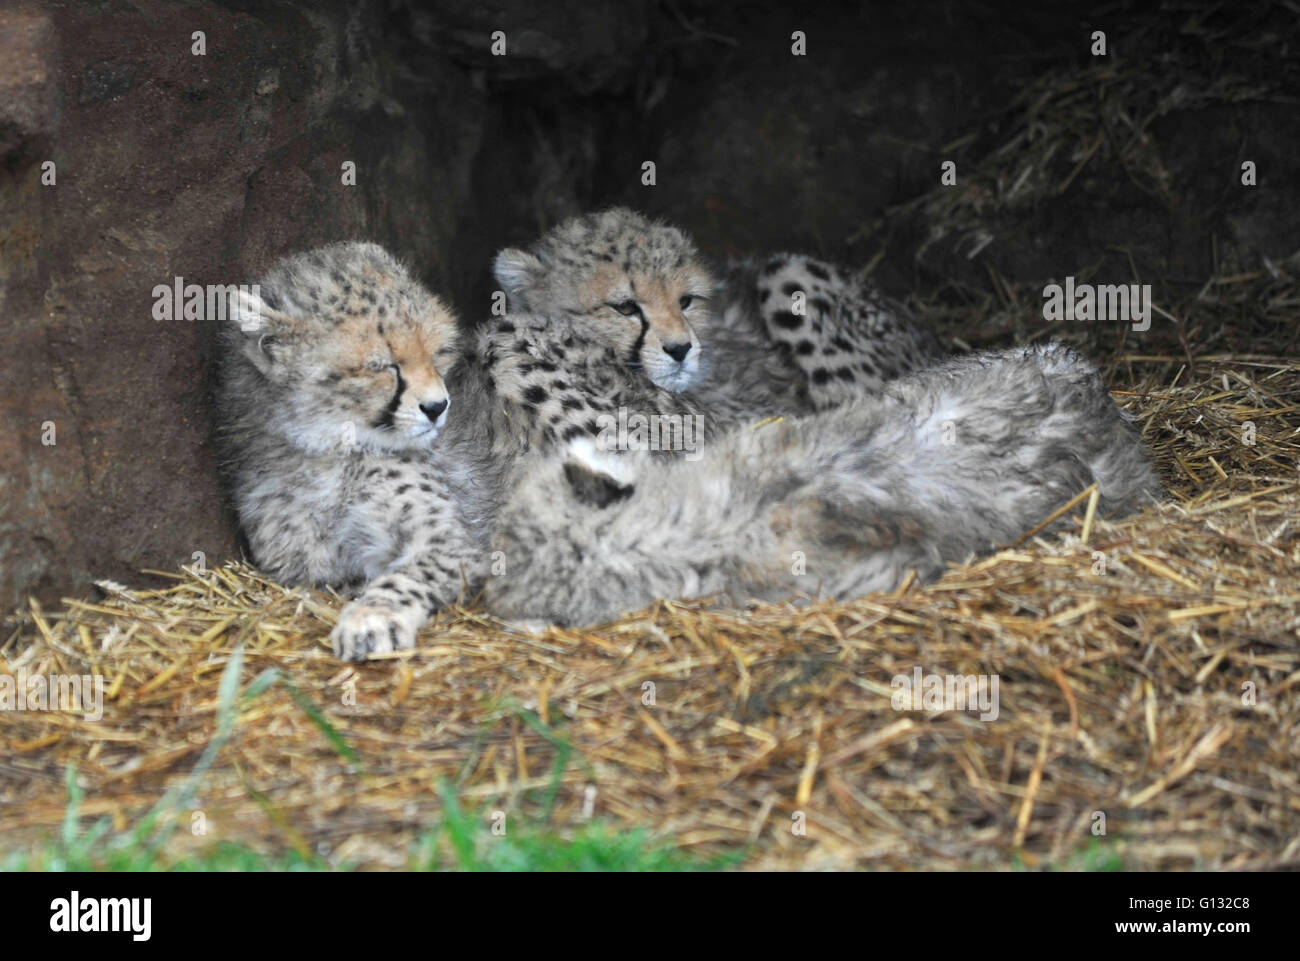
pixel 622 282
pixel 356 348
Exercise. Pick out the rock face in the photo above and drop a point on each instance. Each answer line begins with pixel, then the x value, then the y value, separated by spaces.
pixel 142 143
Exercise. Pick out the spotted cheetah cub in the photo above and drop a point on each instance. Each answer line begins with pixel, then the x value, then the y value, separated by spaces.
pixel 944 463
pixel 344 455
pixel 611 311
pixel 639 282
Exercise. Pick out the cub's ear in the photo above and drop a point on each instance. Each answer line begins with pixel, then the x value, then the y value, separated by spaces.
pixel 267 331
pixel 518 272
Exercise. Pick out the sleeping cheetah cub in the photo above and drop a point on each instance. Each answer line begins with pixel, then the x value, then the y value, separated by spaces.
pixel 945 463
pixel 346 459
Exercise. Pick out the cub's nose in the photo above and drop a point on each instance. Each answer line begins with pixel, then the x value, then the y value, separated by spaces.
pixel 678 352
pixel 434 411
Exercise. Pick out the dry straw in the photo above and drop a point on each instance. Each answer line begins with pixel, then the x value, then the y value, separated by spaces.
pixel 1160 693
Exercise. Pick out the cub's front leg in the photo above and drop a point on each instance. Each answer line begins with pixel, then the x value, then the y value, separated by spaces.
pixel 435 553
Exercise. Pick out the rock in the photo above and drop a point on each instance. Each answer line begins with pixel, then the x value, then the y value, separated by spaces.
pixel 589 46
pixel 26 81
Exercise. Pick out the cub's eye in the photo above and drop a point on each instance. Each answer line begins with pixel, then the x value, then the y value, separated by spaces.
pixel 628 308
pixel 686 301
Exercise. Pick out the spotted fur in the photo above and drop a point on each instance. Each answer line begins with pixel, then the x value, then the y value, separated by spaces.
pixel 347 458
pixel 598 303
pixel 844 336
pixel 613 311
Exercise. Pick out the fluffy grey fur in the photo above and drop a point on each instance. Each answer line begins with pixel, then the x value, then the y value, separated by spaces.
pixel 344 461
pixel 945 463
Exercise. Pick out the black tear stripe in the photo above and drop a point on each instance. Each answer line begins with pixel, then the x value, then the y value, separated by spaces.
pixel 634 355
pixel 385 420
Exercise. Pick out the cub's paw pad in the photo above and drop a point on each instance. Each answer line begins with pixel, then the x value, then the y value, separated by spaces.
pixel 363 631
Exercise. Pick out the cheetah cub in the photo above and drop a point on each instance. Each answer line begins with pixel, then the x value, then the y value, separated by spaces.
pixel 943 464
pixel 641 283
pixel 347 462
pixel 612 311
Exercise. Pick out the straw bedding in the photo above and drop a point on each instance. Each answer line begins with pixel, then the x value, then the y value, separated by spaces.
pixel 1120 693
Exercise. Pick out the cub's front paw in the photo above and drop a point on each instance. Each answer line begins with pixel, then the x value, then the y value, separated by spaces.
pixel 363 630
